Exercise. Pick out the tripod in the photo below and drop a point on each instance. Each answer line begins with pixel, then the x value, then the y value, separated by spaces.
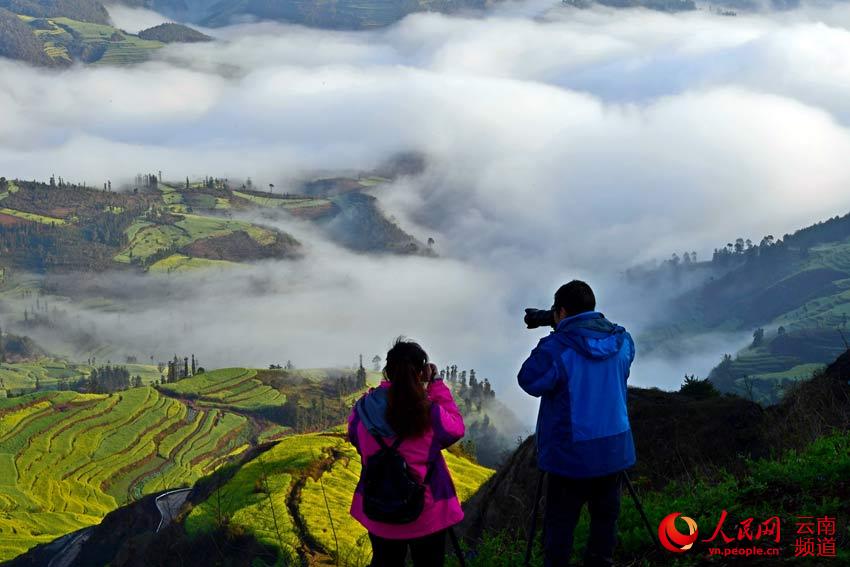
pixel 626 480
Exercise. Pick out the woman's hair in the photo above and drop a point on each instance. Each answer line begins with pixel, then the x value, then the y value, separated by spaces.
pixel 408 410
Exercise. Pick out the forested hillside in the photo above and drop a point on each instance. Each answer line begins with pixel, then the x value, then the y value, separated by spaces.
pixel 173 33
pixel 17 40
pixel 162 226
pixel 791 294
pixel 91 11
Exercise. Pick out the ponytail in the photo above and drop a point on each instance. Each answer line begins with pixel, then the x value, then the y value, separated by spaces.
pixel 408 409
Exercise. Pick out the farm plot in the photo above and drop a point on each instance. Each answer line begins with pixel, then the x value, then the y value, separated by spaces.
pixel 183 263
pixel 68 459
pixel 148 239
pixel 33 217
pixel 231 388
pixel 325 502
pixel 255 499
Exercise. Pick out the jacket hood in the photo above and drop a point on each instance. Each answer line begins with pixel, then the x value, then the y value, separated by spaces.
pixel 372 409
pixel 591 334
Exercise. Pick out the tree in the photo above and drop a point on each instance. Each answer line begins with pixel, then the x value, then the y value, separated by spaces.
pixel 758 337
pixel 376 362
pixel 699 389
pixel 780 331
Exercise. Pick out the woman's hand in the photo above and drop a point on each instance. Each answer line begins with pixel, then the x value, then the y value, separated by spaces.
pixel 430 373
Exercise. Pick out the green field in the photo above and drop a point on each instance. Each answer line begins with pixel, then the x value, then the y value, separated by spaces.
pixel 22 376
pixel 68 459
pixel 121 48
pixel 112 45
pixel 32 216
pixel 183 263
pixel 147 238
pixel 233 388
pixel 320 472
pixel 281 202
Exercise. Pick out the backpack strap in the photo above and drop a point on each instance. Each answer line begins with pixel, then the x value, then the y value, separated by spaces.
pixel 428 472
pixel 383 444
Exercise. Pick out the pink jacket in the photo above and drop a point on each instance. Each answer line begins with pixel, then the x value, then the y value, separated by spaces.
pixel 442 508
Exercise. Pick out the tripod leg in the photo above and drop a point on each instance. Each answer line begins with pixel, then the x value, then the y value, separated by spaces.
pixel 456 545
pixel 639 506
pixel 534 519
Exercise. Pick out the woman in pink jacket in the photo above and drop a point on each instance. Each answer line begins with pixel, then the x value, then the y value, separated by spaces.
pixel 414 409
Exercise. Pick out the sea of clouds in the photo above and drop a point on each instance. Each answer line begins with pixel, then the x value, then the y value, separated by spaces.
pixel 560 143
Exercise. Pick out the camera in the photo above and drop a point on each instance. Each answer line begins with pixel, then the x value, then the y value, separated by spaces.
pixel 539 318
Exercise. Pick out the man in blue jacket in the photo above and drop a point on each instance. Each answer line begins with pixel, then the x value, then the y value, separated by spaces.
pixel 584 440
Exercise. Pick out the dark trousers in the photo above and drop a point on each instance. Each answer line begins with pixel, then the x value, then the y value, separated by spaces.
pixel 564 500
pixel 427 551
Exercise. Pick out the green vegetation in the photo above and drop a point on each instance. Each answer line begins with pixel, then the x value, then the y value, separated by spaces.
pixel 150 241
pixel 181 263
pixel 798 483
pixel 792 295
pixel 46 373
pixel 312 475
pixel 68 458
pixel 32 217
pixel 173 33
pixel 60 38
pixel 297 202
pixel 255 499
pixel 233 388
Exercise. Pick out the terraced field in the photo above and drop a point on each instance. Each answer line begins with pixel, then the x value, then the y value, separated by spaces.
pixel 67 459
pixel 282 202
pixel 105 44
pixel 183 263
pixel 21 377
pixel 32 217
pixel 231 388
pixel 300 491
pixel 256 498
pixel 147 238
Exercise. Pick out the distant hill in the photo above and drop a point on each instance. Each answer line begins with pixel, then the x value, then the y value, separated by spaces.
pixel 791 293
pixel 91 11
pixel 173 33
pixel 17 40
pixel 61 41
pixel 341 14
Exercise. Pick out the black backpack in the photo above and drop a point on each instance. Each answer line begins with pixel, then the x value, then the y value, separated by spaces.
pixel 392 491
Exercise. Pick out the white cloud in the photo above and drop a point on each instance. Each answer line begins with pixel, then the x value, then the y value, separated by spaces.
pixel 561 142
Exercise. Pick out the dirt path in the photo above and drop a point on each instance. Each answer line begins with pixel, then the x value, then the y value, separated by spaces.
pixel 311 551
pixel 69 551
pixel 169 505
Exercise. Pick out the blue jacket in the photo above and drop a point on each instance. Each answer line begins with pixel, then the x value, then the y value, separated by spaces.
pixel 579 372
